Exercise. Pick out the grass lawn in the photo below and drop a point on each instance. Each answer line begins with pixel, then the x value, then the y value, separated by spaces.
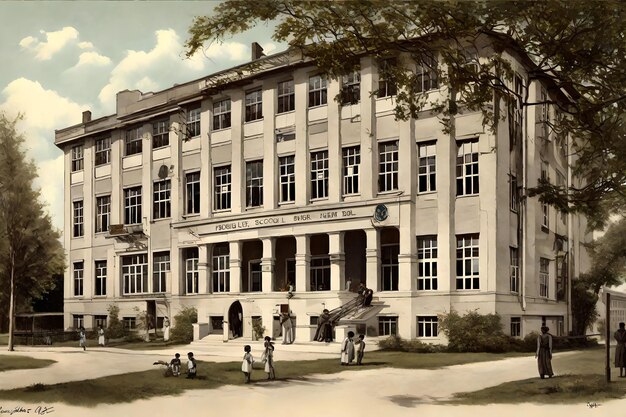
pixel 147 384
pixel 152 345
pixel 580 378
pixel 10 362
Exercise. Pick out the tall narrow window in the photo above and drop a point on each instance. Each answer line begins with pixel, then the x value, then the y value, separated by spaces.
pixel 254 105
pixel 221 114
pixel 255 283
pixel 545 208
pixel 516 326
pixel 161 266
pixel 351 88
pixel 386 84
pixel 133 141
pixel 162 200
pixel 103 213
pixel 192 193
pixel 287 178
pixel 103 151
pixel 221 268
pixel 135 273
pixel 78 321
pixel 514 193
pixel 351 164
pixel 427 263
pixel 467 168
pixel 427 326
pixel 254 184
pixel 426 78
pixel 544 277
pixel 101 278
pixel 319 174
pixel 160 134
pixel 286 97
pixel 388 166
pixel 132 205
pixel 320 273
pixel 77 158
pixel 467 262
pixel 191 270
pixel 389 267
pixel 78 219
pixel 222 188
pixel 193 122
pixel 427 167
pixel 317 90
pixel 78 278
pixel 514 261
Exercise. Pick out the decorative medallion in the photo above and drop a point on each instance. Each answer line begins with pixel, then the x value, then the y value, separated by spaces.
pixel 381 213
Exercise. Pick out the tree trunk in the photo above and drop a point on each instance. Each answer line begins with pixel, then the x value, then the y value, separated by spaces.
pixel 12 303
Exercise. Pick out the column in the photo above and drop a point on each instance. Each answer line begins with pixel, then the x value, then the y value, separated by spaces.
pixel 237 167
pixel 270 185
pixel 267 264
pixel 303 261
pixel 334 143
pixel 203 264
pixel 302 140
pixel 372 255
pixel 369 148
pixel 235 266
pixel 206 171
pixel 337 261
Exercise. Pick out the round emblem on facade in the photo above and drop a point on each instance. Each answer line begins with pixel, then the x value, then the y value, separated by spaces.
pixel 381 213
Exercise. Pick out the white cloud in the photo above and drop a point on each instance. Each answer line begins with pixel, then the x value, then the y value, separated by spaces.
pixel 92 59
pixel 233 51
pixel 85 45
pixel 53 43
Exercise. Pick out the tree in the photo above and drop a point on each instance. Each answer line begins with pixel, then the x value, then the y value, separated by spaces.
pixel 115 328
pixel 576 47
pixel 30 250
pixel 183 325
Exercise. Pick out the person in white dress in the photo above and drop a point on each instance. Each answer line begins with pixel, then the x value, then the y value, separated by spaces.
pixel 166 329
pixel 101 336
pixel 285 321
pixel 347 349
pixel 268 358
pixel 246 365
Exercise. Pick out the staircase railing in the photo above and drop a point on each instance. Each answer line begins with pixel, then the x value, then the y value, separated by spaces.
pixel 342 311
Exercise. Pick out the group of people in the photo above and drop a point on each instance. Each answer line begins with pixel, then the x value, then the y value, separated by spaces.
pixel 267 358
pixel 349 347
pixel 192 367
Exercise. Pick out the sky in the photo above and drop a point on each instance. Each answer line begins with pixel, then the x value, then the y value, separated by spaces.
pixel 60 58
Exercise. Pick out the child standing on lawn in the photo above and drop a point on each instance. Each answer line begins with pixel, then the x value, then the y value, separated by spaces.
pixel 82 342
pixel 191 366
pixel 246 365
pixel 268 358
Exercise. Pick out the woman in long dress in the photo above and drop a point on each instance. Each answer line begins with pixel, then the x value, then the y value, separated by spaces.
pixel 285 321
pixel 101 336
pixel 324 332
pixel 347 349
pixel 620 350
pixel 166 329
pixel 544 353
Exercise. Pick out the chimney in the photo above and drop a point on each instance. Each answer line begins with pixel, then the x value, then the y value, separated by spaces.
pixel 257 51
pixel 86 116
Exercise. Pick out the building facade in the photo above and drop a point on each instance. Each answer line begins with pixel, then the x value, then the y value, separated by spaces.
pixel 223 192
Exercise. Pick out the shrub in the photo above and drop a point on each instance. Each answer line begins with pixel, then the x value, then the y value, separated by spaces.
pixel 115 329
pixel 396 343
pixel 182 331
pixel 474 332
pixel 258 328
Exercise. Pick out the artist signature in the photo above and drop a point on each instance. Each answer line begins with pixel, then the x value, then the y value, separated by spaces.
pixel 39 410
pixel 593 405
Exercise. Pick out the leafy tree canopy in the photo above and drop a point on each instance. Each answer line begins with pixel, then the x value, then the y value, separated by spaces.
pixel 577 48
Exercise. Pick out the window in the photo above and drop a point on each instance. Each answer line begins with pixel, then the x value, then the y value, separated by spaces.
pixel 254 105
pixel 77 158
pixel 192 191
pixel 467 168
pixel 426 74
pixel 514 193
pixel 389 267
pixel 222 188
pixel 544 115
pixel 319 174
pixel 254 184
pixel 100 321
pixel 135 273
pixel 320 273
pixel 386 85
pixel 351 88
pixel 133 141
pixel 427 169
pixel 103 151
pixel 388 166
pixel 286 97
pixel 544 277
pixel 160 134
pixel 387 326
pixel 514 262
pixel 545 208
pixel 561 276
pixel 351 163
pixel 191 270
pixel 79 270
pixel 515 112
pixel 103 213
pixel 78 321
pixel 221 114
pixel 193 122
pixel 427 263
pixel 161 266
pixel 101 278
pixel 132 205
pixel 130 323
pixel 221 268
pixel 317 90
pixel 516 326
pixel 467 262
pixel 255 281
pixel 287 179
pixel 78 218
pixel 161 207
pixel 562 184
pixel 427 326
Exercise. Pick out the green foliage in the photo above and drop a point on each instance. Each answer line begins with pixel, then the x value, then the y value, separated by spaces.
pixel 258 328
pixel 182 331
pixel 115 329
pixel 396 343
pixel 474 332
pixel 584 301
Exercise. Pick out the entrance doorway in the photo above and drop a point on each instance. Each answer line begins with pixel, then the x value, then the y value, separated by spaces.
pixel 235 319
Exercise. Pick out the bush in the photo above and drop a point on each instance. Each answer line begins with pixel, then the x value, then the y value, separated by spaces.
pixel 474 332
pixel 396 343
pixel 182 331
pixel 115 329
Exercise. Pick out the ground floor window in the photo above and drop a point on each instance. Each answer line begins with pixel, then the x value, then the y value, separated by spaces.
pixel 427 326
pixel 255 282
pixel 130 323
pixel 221 268
pixel 387 326
pixel 516 326
pixel 78 321
pixel 100 321
pixel 320 274
pixel 389 267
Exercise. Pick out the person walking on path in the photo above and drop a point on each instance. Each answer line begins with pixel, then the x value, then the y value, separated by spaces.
pixel 347 349
pixel 82 339
pixel 285 322
pixel 101 336
pixel 360 350
pixel 620 350
pixel 544 353
pixel 268 358
pixel 246 365
pixel 191 366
